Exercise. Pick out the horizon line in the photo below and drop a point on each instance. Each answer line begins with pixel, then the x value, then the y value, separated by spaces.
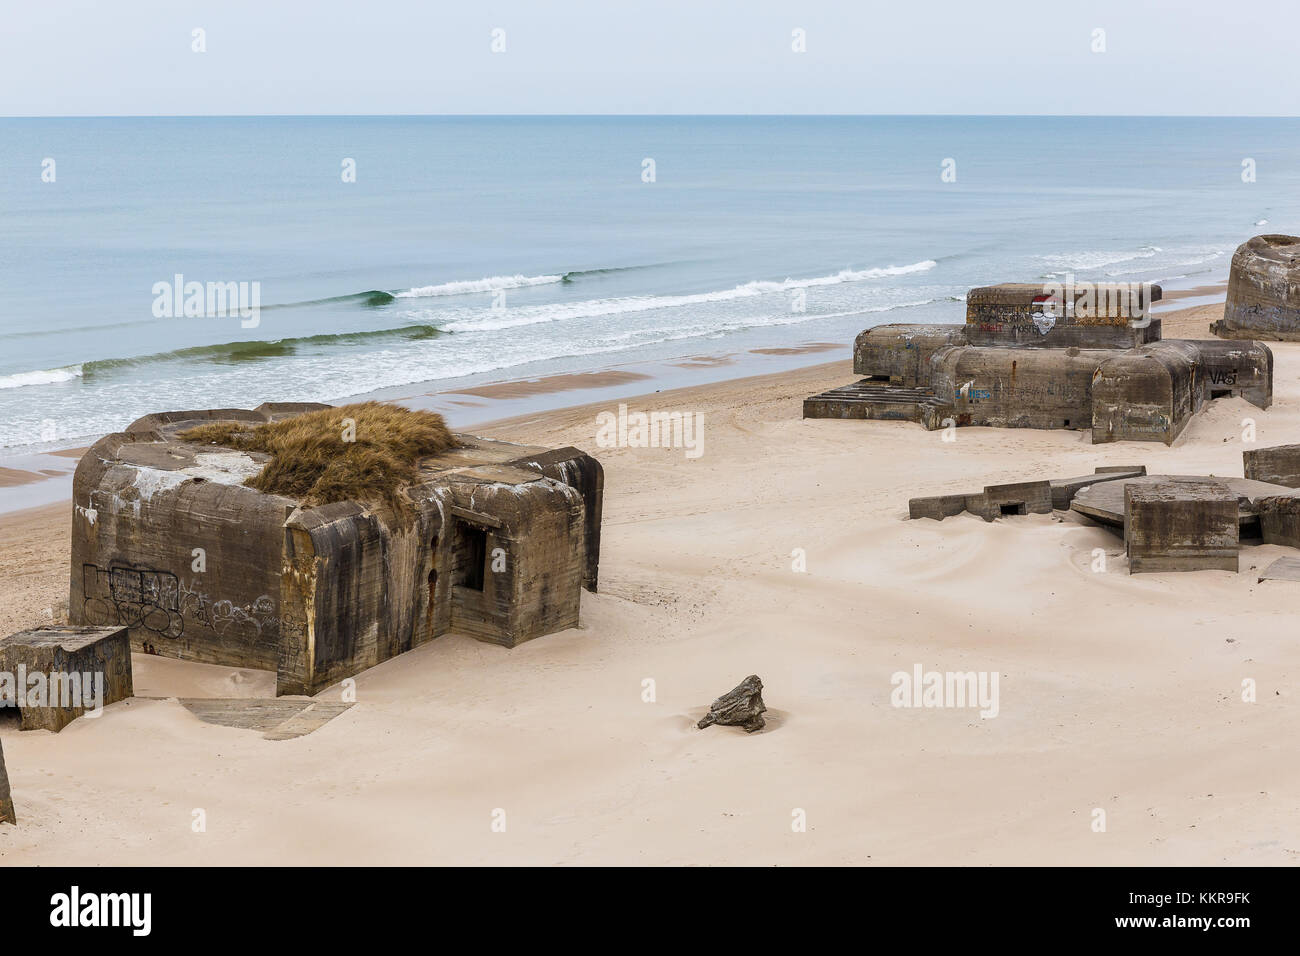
pixel 650 116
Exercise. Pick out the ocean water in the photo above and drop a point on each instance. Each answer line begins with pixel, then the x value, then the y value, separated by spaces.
pixel 474 249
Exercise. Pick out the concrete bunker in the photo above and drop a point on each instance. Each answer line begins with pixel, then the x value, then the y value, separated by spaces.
pixel 493 539
pixel 1168 522
pixel 1030 358
pixel 1263 299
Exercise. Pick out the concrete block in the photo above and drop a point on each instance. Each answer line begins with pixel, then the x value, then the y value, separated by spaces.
pixel 900 354
pixel 1279 519
pixel 1181 524
pixel 937 507
pixel 1228 369
pixel 1147 394
pixel 7 814
pixel 1017 387
pixel 1022 498
pixel 1035 315
pixel 77 668
pixel 1277 464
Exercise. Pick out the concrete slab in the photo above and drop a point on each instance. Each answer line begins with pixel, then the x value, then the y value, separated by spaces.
pixel 1064 489
pixel 1104 502
pixel 1283 569
pixel 280 718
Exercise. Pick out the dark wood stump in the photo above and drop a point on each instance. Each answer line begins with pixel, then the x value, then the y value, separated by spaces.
pixel 742 706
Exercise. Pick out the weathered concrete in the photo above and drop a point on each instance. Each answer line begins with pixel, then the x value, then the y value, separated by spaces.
pixel 1064 489
pixel 900 354
pixel 1017 388
pixel 1180 524
pixel 1263 291
pixel 1146 394
pixel 1283 569
pixel 995 501
pixel 869 400
pixel 1014 365
pixel 1277 464
pixel 1241 369
pixel 937 507
pixel 1104 502
pixel 280 718
pixel 1021 498
pixel 498 543
pixel 1279 519
pixel 76 665
pixel 7 813
pixel 1030 315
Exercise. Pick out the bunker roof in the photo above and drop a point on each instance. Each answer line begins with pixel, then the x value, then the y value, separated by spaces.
pixel 1028 293
pixel 152 445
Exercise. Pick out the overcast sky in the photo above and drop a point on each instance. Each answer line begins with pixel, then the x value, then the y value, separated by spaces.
pixel 135 57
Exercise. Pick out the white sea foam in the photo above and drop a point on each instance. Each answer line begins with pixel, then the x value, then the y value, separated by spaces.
pixel 1199 256
pixel 46 377
pixel 1097 259
pixel 497 319
pixel 467 286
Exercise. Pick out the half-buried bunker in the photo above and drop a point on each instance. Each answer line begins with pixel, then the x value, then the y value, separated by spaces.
pixel 317 541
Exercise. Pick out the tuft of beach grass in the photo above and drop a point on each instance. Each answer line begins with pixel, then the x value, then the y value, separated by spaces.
pixel 361 452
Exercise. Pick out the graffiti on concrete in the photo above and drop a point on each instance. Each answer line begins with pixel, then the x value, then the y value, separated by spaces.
pixel 157 601
pixel 132 597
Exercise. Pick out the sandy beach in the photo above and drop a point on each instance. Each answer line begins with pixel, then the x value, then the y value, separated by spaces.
pixel 1118 692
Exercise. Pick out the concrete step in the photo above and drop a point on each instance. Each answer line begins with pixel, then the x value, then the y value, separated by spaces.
pixel 871 399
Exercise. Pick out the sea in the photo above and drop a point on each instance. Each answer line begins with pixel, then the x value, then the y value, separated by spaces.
pixel 443 252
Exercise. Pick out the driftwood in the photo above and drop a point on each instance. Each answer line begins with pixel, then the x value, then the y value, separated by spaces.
pixel 742 706
pixel 7 814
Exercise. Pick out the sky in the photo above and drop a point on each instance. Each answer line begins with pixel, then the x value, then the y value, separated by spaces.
pixel 344 57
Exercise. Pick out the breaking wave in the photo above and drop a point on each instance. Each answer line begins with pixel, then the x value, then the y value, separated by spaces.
pixel 45 377
pixel 467 286
pixel 557 312
pixel 227 353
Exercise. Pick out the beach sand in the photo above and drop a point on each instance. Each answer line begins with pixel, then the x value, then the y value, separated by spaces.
pixel 1117 693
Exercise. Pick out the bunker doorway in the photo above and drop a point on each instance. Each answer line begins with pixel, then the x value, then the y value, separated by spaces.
pixel 471 556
